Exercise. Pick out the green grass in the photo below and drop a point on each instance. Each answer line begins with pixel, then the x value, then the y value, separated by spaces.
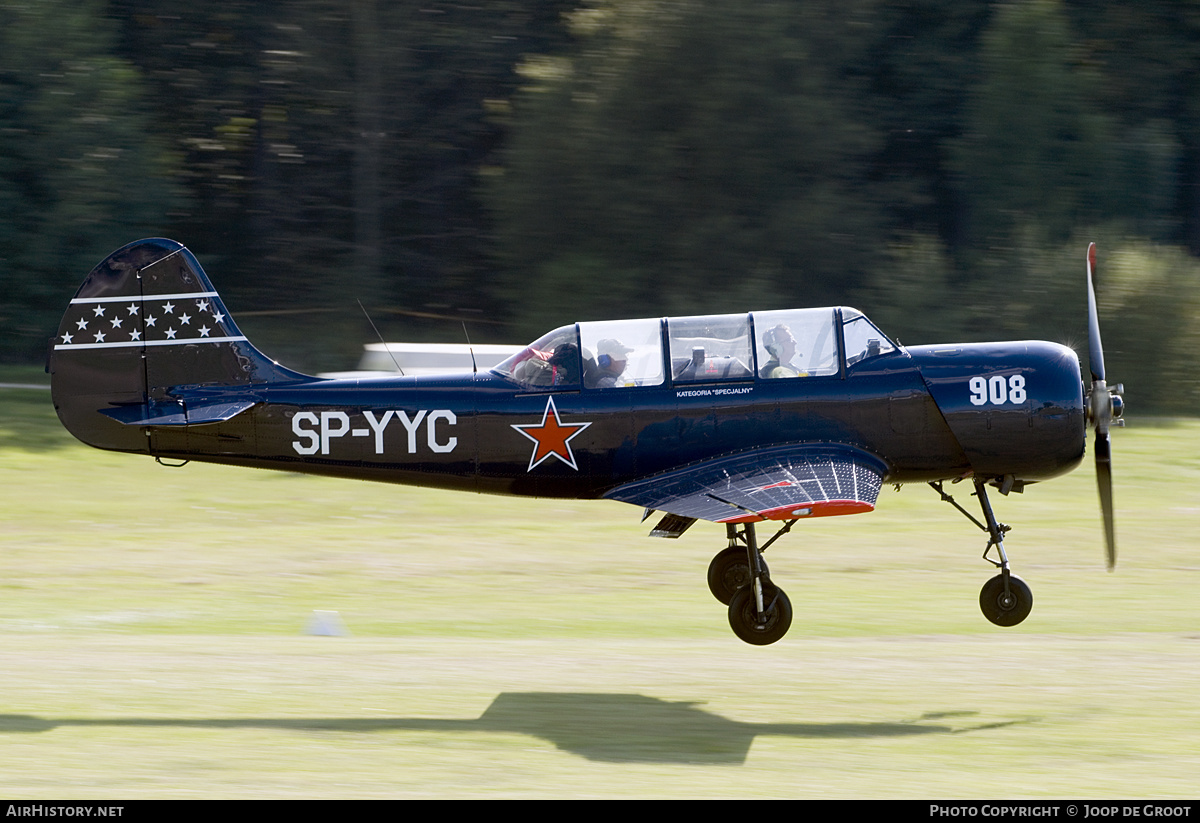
pixel 153 640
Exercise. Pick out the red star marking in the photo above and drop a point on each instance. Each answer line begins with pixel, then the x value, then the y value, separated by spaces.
pixel 551 437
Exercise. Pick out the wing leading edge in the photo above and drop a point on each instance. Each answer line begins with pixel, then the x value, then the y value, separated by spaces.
pixel 779 483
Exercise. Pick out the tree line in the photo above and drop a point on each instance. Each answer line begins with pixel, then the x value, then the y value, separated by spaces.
pixel 521 163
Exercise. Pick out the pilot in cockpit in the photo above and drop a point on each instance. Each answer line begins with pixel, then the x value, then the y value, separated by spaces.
pixel 565 364
pixel 781 345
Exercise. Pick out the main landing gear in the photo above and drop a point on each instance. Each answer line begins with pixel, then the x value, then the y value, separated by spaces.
pixel 1005 599
pixel 759 612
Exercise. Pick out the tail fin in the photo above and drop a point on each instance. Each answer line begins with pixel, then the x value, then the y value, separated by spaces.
pixel 146 323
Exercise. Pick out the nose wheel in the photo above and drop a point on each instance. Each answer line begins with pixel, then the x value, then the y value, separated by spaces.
pixel 1005 600
pixel 1005 603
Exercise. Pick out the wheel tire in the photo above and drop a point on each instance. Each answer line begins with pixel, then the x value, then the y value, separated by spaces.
pixel 744 617
pixel 728 572
pixel 1002 610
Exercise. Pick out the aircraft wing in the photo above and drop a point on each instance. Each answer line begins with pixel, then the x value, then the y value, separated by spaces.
pixel 778 483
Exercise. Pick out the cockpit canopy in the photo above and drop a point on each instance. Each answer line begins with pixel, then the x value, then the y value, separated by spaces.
pixel 765 345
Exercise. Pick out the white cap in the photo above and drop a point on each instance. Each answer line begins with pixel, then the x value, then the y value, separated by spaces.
pixel 613 348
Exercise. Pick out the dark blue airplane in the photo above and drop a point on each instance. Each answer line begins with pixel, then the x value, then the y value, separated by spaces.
pixel 735 419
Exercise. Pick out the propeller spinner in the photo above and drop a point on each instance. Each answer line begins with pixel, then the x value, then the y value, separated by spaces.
pixel 1104 407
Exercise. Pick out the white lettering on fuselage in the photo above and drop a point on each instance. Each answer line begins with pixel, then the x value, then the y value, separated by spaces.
pixel 714 392
pixel 317 431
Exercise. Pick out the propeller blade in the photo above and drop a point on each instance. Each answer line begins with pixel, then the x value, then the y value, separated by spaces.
pixel 1104 406
pixel 1095 348
pixel 1104 481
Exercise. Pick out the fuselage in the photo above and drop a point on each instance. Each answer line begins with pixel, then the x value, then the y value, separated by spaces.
pixel 914 409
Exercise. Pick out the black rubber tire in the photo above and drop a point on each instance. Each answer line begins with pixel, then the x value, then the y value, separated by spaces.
pixel 1002 610
pixel 744 617
pixel 728 572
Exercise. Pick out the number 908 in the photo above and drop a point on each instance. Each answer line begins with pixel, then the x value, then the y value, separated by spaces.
pixel 997 390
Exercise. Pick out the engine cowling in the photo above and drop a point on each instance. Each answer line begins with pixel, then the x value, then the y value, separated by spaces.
pixel 1016 408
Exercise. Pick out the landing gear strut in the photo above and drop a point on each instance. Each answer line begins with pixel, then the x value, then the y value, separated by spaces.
pixel 1005 599
pixel 759 611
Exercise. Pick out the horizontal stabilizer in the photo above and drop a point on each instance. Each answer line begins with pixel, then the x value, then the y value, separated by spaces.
pixel 177 414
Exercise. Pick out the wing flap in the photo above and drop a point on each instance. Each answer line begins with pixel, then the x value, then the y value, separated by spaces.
pixel 780 483
pixel 671 526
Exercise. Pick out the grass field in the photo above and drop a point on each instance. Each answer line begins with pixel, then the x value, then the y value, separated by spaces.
pixel 154 646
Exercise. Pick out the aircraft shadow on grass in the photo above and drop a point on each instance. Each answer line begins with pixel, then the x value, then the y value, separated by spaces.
pixel 604 727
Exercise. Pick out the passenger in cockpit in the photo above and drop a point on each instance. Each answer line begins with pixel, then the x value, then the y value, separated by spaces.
pixel 611 358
